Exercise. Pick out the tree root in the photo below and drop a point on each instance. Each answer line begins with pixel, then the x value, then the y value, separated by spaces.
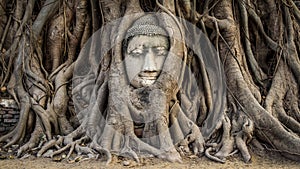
pixel 129 145
pixel 49 144
pixel 34 139
pixel 208 152
pixel 72 146
pixel 226 146
pixel 243 137
pixel 239 134
pixel 188 129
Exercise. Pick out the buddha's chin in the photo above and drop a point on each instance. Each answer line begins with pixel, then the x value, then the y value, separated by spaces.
pixel 147 82
pixel 142 82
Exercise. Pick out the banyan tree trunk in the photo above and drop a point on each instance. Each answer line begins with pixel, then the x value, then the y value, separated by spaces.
pixel 231 79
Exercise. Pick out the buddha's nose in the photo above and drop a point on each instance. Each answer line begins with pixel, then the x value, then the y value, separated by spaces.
pixel 149 62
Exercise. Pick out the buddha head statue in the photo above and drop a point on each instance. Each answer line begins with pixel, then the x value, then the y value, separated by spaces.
pixel 145 50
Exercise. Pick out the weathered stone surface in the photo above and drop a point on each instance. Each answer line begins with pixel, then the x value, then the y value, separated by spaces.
pixel 13 112
pixel 10 120
pixel 8 103
pixel 9 115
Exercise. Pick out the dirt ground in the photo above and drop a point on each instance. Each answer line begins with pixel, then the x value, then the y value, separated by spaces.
pixel 269 160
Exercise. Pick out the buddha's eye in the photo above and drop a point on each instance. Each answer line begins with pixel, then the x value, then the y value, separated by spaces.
pixel 136 52
pixel 161 51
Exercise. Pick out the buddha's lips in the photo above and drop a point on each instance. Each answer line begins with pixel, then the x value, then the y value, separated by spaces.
pixel 149 77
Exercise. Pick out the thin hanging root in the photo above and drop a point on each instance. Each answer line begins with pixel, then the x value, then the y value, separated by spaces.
pixel 190 10
pixel 295 10
pixel 291 53
pixel 13 47
pixel 273 45
pixel 86 32
pixel 258 73
pixel 5 32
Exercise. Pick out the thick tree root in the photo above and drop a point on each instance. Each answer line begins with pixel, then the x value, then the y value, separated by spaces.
pixel 238 134
pixel 243 137
pixel 34 140
pixel 208 153
pixel 226 146
pixel 190 135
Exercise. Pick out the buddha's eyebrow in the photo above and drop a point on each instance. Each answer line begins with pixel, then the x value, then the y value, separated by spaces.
pixel 136 46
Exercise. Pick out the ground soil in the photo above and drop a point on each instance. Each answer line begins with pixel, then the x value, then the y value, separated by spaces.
pixel 259 160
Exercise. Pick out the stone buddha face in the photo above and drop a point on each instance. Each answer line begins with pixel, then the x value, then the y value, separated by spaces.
pixel 144 58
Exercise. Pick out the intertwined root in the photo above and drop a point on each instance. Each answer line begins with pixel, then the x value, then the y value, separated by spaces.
pixel 237 133
pixel 158 139
pixel 165 135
